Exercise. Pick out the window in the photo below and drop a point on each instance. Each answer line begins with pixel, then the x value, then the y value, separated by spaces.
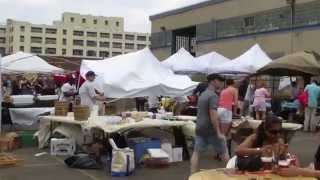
pixel 141 46
pixel 36 50
pixel 11 39
pixel 117 45
pixel 78 33
pixel 83 20
pixel 2 40
pixel 104 44
pixel 21 38
pixel 95 21
pixel 51 41
pixel 51 31
pixel 116 53
pixel 141 38
pixel 249 21
pixel 2 51
pixel 36 29
pixel 22 28
pixel 64 51
pixel 64 32
pixel 50 51
pixel 36 39
pixel 117 36
pixel 106 22
pixel 117 24
pixel 103 54
pixel 92 34
pixel 21 48
pixel 92 43
pixel 72 19
pixel 104 35
pixel 77 52
pixel 129 46
pixel 91 53
pixel 78 42
pixel 129 37
pixel 2 30
pixel 64 41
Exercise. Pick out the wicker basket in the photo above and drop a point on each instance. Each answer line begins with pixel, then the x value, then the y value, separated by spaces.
pixel 61 108
pixel 81 113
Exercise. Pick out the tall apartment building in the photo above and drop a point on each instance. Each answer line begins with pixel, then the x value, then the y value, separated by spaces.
pixel 75 35
pixel 230 27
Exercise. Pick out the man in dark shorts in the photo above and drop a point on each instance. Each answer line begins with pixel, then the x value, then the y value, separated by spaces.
pixel 207 128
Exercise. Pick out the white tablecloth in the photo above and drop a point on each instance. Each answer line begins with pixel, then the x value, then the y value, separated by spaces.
pixel 27 116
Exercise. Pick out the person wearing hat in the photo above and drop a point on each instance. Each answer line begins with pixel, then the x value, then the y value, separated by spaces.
pixel 88 94
pixel 208 131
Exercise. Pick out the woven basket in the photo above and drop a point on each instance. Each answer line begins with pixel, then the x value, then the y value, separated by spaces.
pixel 61 108
pixel 81 113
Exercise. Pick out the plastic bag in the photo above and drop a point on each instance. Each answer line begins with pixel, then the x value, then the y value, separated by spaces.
pixel 83 161
pixel 122 163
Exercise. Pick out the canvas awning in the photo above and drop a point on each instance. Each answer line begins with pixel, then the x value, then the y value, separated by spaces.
pixel 21 62
pixel 208 62
pixel 248 63
pixel 297 64
pixel 137 74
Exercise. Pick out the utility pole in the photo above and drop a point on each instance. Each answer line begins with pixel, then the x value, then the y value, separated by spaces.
pixel 292 4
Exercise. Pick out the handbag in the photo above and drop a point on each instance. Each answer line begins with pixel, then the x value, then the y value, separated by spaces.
pixel 249 163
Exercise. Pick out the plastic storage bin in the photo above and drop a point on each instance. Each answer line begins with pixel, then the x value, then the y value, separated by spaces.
pixel 141 145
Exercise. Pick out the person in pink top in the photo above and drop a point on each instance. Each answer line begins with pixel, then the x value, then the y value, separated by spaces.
pixel 228 102
pixel 259 102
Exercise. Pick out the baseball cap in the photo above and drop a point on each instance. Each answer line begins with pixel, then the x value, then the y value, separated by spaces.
pixel 90 73
pixel 213 77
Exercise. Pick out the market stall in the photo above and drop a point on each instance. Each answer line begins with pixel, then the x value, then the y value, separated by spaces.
pixel 28 65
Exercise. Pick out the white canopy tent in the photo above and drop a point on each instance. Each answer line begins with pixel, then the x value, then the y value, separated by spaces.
pixel 137 74
pixel 210 61
pixel 21 62
pixel 182 62
pixel 248 63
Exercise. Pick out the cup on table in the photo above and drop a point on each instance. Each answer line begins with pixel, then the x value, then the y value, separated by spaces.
pixel 267 163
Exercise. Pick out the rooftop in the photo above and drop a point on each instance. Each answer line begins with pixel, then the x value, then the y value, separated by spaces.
pixel 185 9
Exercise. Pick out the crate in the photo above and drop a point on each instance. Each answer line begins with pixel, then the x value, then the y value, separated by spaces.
pixel 141 145
pixel 62 147
pixel 81 113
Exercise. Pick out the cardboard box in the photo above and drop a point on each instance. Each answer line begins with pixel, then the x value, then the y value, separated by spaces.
pixel 177 154
pixel 167 147
pixel 62 147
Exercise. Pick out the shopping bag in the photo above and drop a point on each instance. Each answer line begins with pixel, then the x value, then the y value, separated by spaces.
pixel 122 163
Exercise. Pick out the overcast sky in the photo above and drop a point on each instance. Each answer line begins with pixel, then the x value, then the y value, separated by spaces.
pixel 135 12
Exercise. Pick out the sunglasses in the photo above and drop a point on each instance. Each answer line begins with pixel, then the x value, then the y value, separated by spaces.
pixel 275 132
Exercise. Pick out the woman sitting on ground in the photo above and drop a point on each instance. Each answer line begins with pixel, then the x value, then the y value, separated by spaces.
pixel 269 134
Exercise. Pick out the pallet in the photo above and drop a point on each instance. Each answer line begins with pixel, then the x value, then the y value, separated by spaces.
pixel 9 160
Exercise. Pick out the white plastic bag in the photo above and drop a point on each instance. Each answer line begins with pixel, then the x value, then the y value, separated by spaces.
pixel 122 163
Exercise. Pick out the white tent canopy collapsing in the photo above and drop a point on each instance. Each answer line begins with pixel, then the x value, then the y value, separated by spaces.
pixel 248 63
pixel 181 62
pixel 21 62
pixel 210 61
pixel 137 74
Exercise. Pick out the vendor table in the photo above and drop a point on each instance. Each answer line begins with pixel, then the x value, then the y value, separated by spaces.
pixel 226 174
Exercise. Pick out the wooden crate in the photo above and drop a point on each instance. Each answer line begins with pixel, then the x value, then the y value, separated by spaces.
pixel 9 159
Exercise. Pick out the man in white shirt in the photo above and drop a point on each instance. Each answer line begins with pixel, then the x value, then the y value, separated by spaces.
pixel 68 91
pixel 88 94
